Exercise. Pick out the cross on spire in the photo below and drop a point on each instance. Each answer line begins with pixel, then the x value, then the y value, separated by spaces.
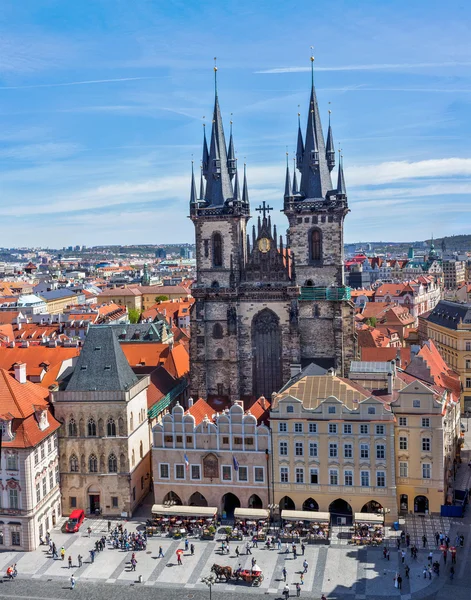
pixel 264 208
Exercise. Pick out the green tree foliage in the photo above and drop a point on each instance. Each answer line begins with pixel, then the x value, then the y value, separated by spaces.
pixel 134 315
pixel 161 298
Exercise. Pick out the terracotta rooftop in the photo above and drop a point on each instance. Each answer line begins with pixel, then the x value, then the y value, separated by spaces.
pixel 199 410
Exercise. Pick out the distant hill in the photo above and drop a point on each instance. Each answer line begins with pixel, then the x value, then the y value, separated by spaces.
pixel 459 243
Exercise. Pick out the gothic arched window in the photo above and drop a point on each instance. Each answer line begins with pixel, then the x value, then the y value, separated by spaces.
pixel 141 450
pixel 218 332
pixel 315 244
pixel 91 428
pixel 111 428
pixel 112 463
pixel 72 428
pixel 93 464
pixel 217 250
pixel 74 464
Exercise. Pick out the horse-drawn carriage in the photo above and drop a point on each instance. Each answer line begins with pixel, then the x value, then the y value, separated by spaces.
pixel 252 576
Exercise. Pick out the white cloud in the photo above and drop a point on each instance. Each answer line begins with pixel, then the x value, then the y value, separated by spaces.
pixel 370 67
pixel 40 152
pixel 67 83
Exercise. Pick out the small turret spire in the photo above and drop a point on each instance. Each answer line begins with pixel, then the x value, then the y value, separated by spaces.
pixel 341 187
pixel 205 152
pixel 201 184
pixel 288 191
pixel 236 185
pixel 295 179
pixel 254 235
pixel 274 235
pixel 245 191
pixel 300 145
pixel 231 159
pixel 193 195
pixel 329 147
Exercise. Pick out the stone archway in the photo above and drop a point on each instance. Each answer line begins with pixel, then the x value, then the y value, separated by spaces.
pixel 371 507
pixel 255 501
pixel 310 504
pixel 197 499
pixel 266 352
pixel 340 512
pixel 286 503
pixel 173 497
pixel 229 503
pixel 421 504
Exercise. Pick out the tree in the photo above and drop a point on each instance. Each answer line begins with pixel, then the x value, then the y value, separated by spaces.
pixel 134 315
pixel 161 298
pixel 372 321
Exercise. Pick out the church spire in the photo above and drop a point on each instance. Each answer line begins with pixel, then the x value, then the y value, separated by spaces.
pixel 288 191
pixel 300 146
pixel 193 195
pixel 329 148
pixel 205 152
pixel 341 187
pixel 245 191
pixel 219 186
pixel 295 179
pixel 315 175
pixel 236 184
pixel 231 159
pixel 201 185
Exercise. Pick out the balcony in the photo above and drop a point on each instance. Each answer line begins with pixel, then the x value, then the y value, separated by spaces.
pixel 334 294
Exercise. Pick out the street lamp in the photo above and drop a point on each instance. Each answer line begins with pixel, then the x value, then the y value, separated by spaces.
pixel 210 580
pixel 466 416
pixel 273 508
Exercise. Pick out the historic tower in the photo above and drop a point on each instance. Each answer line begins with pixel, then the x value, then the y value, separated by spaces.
pixel 264 304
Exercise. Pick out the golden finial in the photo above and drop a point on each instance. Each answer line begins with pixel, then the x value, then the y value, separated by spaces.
pixel 312 53
pixel 215 65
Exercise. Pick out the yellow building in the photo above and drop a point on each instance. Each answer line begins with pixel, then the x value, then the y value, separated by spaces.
pixel 449 326
pixel 129 297
pixel 333 448
pixel 151 292
pixel 58 300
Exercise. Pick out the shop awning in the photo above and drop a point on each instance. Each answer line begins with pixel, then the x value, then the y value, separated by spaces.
pixel 252 513
pixel 184 511
pixel 305 515
pixel 369 518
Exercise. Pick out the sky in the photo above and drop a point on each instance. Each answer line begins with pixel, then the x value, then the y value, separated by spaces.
pixel 102 104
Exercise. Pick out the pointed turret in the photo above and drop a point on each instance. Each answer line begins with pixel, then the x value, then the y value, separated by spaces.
pixel 231 159
pixel 329 148
pixel 315 174
pixel 341 187
pixel 219 186
pixel 288 191
pixel 193 194
pixel 300 146
pixel 245 191
pixel 295 179
pixel 201 185
pixel 205 152
pixel 236 185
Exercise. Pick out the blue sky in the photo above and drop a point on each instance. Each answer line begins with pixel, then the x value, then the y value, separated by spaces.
pixel 102 103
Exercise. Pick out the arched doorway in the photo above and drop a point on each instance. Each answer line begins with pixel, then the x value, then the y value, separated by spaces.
pixel 173 498
pixel 266 352
pixel 255 501
pixel 371 507
pixel 420 504
pixel 341 512
pixel 404 503
pixel 229 503
pixel 93 499
pixel 287 504
pixel 197 499
pixel 310 504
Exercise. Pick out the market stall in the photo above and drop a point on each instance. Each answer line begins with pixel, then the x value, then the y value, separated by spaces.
pixel 368 528
pixel 253 522
pixel 182 521
pixel 312 526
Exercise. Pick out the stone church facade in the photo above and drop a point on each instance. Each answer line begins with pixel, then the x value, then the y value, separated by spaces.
pixel 265 306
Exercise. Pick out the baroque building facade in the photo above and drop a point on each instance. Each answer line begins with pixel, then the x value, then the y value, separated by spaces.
pixel 265 305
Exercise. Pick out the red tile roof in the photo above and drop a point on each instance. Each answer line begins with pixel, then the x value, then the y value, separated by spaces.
pixel 386 355
pixel 33 356
pixel 178 361
pixel 199 410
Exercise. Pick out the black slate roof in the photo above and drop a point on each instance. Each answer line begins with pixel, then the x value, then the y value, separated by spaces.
pixel 140 332
pixel 450 314
pixel 101 365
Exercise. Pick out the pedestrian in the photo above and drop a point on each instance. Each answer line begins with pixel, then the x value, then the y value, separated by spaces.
pixel 295 555
pixel 461 540
pixel 323 597
pixel 192 549
pixel 453 558
pixel 424 541
pixel 287 548
pixel 407 540
pixel 255 542
pixel 284 573
pixel 301 578
pixel 186 545
pixel 437 538
pixel 92 555
pixel 430 557
pixel 161 552
pixel 79 558
pixel 179 559
pixel 89 531
pixel 303 548
pixel 425 571
pixel 70 562
pixel 237 551
pixel 279 544
pixel 398 542
pixel 387 554
pixel 247 548
pixel 384 552
pixel 72 582
pixel 452 572
pixel 407 569
pixel 399 582
pixel 109 526
pixel 403 556
pixel 298 589
pixel 305 565
pixel 444 556
pixel 430 572
pixel 254 562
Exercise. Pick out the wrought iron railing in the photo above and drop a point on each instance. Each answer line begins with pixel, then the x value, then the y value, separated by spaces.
pixel 325 293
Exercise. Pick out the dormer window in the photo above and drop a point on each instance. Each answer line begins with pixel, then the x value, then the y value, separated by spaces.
pixel 41 418
pixel 7 434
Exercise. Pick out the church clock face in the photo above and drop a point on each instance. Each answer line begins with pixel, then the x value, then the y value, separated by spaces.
pixel 264 245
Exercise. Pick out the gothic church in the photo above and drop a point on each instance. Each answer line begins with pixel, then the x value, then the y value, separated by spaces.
pixel 265 306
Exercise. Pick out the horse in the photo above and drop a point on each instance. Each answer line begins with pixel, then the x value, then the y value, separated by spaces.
pixel 221 572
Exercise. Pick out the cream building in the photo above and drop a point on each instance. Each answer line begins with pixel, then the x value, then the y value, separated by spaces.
pixel 333 448
pixel 205 459
pixel 30 500
pixel 104 439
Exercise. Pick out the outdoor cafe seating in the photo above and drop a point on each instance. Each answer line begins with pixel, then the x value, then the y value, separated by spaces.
pixel 182 521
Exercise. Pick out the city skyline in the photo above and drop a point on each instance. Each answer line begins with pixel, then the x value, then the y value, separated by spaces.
pixel 102 111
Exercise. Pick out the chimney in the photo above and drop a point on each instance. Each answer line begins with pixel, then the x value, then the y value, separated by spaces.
pixel 190 402
pixel 295 368
pixel 390 383
pixel 263 402
pixel 20 372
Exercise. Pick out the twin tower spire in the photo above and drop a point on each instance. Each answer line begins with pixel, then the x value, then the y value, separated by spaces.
pixel 315 159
